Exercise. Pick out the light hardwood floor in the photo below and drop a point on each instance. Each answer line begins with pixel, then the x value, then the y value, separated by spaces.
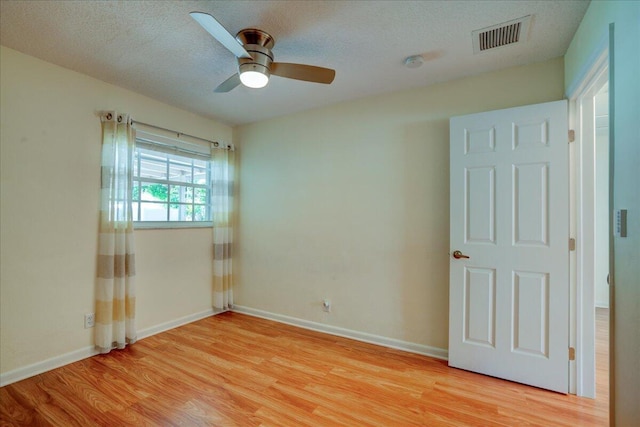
pixel 602 355
pixel 236 370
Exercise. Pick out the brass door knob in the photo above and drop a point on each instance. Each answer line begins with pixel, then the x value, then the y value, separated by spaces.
pixel 458 255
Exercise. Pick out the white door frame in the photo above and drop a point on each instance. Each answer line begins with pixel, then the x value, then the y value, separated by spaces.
pixel 582 155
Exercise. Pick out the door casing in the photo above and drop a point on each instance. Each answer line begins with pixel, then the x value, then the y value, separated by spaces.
pixel 582 315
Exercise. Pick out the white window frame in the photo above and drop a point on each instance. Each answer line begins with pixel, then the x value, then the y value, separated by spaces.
pixel 163 144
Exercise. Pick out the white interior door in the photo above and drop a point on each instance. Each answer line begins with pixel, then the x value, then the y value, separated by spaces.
pixel 509 300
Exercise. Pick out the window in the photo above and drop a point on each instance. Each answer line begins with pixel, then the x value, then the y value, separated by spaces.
pixel 171 185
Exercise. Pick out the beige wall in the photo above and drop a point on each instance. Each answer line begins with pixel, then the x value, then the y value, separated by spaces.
pixel 50 170
pixel 351 203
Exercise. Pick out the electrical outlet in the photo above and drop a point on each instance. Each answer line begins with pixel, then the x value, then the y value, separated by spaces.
pixel 89 320
pixel 326 305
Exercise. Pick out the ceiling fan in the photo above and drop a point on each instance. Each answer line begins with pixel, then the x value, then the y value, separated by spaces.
pixel 252 47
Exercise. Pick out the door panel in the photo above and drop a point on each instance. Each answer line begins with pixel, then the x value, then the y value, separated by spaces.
pixel 480 207
pixel 509 300
pixel 479 304
pixel 531 313
pixel 530 204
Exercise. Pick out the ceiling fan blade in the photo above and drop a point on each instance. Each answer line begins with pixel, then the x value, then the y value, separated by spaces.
pixel 220 33
pixel 308 73
pixel 228 84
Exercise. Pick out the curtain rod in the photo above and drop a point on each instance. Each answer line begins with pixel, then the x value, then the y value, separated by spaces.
pixel 173 148
pixel 178 134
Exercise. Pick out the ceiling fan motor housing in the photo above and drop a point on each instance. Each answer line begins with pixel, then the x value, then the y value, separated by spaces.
pixel 250 36
pixel 260 61
pixel 258 43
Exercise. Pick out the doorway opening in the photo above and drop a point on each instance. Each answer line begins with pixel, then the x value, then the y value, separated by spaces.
pixel 591 223
pixel 601 265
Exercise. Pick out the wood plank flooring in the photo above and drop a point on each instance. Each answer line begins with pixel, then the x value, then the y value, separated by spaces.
pixel 602 355
pixel 236 370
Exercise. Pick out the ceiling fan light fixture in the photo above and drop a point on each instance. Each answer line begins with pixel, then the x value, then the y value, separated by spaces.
pixel 252 48
pixel 255 71
pixel 254 79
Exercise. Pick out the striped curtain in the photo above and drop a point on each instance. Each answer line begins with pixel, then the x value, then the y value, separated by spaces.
pixel 115 293
pixel 222 177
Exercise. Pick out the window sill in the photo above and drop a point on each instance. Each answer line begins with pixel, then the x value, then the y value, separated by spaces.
pixel 158 225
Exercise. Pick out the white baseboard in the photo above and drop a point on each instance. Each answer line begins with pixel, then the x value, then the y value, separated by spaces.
pixel 602 304
pixel 46 365
pixel 145 333
pixel 425 350
pixel 86 352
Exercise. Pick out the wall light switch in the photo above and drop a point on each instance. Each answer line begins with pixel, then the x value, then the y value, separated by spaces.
pixel 621 223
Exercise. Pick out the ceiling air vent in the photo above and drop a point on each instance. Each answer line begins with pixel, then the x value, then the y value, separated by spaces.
pixel 507 33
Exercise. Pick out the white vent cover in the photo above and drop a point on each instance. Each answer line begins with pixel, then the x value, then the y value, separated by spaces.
pixel 511 32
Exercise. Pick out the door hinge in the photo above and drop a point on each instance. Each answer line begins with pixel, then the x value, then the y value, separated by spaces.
pixel 572 135
pixel 572 244
pixel 572 353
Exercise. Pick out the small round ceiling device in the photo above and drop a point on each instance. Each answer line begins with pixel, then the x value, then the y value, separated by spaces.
pixel 413 61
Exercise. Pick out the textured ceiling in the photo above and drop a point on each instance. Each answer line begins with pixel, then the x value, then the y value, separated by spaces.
pixel 155 48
